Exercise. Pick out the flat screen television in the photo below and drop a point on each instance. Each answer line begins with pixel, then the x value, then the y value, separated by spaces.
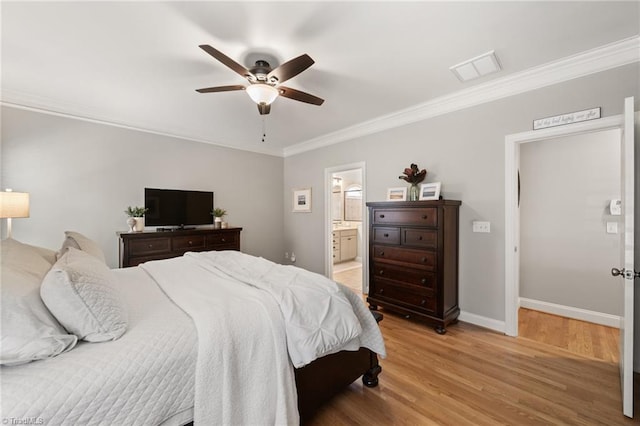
pixel 175 207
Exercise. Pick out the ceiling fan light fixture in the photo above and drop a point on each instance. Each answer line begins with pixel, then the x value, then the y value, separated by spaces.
pixel 262 93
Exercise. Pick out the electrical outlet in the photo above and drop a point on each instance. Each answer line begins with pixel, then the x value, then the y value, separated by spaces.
pixel 286 255
pixel 293 257
pixel 481 226
pixel 612 227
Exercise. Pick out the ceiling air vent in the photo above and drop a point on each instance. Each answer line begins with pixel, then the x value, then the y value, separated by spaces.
pixel 487 63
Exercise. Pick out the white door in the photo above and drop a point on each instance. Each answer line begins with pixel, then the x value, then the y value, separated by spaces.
pixel 627 261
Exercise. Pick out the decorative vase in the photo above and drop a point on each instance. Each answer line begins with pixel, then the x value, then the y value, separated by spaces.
pixel 414 192
pixel 131 222
pixel 217 222
pixel 139 227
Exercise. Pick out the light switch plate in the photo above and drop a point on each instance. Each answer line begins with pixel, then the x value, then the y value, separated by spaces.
pixel 479 226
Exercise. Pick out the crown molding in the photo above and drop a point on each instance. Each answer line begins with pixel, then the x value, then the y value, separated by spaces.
pixel 609 56
pixel 18 100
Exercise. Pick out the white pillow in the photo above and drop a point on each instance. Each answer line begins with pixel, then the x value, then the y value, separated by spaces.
pixel 29 331
pixel 80 291
pixel 80 242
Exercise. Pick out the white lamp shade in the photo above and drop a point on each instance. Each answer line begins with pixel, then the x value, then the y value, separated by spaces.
pixel 14 204
pixel 262 93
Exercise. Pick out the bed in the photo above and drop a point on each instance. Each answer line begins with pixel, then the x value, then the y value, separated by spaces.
pixel 211 337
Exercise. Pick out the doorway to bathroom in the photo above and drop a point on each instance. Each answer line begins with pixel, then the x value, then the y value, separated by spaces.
pixel 345 226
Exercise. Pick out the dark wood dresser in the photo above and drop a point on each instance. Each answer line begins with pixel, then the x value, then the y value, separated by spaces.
pixel 413 259
pixel 138 247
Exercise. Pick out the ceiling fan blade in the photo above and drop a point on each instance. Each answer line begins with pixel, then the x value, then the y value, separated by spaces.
pixel 221 89
pixel 291 68
pixel 297 95
pixel 226 60
pixel 264 109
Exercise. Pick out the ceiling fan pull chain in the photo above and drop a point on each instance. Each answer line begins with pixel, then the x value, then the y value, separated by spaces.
pixel 264 127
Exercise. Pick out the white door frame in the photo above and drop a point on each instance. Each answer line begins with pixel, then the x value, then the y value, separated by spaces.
pixel 328 221
pixel 512 215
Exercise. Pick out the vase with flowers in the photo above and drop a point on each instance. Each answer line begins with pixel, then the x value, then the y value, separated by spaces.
pixel 414 176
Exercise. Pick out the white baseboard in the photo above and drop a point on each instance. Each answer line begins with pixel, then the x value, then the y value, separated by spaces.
pixel 571 312
pixel 481 321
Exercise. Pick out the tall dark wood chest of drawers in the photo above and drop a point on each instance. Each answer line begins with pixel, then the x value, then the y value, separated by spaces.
pixel 413 259
pixel 138 247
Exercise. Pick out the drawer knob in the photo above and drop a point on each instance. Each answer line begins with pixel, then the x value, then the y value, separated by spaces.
pixel 190 243
pixel 223 240
pixel 381 291
pixel 150 245
pixel 424 216
pixel 424 259
pixel 420 238
pixel 423 302
pixel 382 253
pixel 381 216
pixel 382 272
pixel 423 281
pixel 386 235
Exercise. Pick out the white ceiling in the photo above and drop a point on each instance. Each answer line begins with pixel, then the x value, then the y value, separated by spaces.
pixel 138 64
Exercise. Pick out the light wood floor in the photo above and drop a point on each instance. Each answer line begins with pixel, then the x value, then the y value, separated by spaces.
pixel 352 278
pixel 591 340
pixel 474 376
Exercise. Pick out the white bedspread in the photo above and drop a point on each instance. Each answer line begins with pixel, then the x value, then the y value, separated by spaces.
pixel 243 373
pixel 146 377
pixel 318 317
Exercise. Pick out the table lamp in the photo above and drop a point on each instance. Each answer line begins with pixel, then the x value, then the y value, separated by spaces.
pixel 13 204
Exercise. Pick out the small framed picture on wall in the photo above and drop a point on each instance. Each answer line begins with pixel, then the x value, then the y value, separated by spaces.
pixel 430 191
pixel 302 200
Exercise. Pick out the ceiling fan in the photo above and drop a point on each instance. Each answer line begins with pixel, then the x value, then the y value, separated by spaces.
pixel 264 82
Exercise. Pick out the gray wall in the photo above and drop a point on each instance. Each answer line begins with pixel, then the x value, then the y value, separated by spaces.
pixel 565 252
pixel 463 150
pixel 82 175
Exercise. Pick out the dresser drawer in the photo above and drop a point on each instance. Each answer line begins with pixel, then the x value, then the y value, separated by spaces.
pixel 150 246
pixel 420 238
pixel 349 233
pixel 222 239
pixel 136 248
pixel 189 242
pixel 427 216
pixel 419 258
pixel 386 235
pixel 413 296
pixel 398 273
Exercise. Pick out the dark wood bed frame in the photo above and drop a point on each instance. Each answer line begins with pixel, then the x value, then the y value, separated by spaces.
pixel 322 379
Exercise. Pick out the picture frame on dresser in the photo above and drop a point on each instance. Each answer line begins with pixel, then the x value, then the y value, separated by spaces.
pixel 430 191
pixel 397 194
